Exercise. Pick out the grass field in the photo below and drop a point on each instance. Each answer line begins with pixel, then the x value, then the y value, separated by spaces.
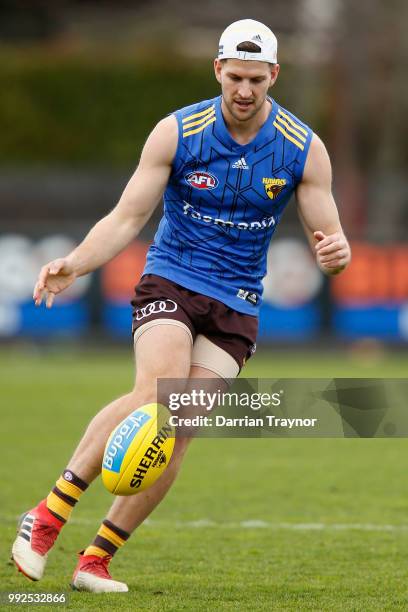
pixel 261 524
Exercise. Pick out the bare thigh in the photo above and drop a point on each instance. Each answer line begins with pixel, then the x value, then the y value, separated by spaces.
pixel 162 351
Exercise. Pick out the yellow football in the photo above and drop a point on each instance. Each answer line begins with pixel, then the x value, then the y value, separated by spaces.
pixel 138 450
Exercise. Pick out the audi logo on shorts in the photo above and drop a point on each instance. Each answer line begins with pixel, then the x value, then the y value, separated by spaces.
pixel 155 308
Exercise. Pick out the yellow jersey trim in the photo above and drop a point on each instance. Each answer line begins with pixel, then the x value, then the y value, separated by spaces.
pixel 200 114
pixel 290 129
pixel 295 125
pixel 200 128
pixel 199 121
pixel 288 136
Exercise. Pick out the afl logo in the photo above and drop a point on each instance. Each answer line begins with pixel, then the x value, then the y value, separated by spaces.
pixel 202 180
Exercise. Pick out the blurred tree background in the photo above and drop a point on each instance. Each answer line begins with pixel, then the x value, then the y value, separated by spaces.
pixel 83 83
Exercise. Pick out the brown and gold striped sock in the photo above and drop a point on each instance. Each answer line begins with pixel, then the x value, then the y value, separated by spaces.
pixel 107 541
pixel 63 497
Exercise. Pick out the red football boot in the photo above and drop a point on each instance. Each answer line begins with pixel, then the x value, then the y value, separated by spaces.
pixel 92 575
pixel 36 534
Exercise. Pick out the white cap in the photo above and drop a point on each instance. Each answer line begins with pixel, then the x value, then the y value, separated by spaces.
pixel 253 31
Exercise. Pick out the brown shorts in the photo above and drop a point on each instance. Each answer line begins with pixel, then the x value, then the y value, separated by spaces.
pixel 159 298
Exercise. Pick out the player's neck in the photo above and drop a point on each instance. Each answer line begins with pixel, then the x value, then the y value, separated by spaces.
pixel 245 131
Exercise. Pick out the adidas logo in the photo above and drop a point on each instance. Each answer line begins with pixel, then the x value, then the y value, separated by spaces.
pixel 241 164
pixel 26 527
pixel 257 37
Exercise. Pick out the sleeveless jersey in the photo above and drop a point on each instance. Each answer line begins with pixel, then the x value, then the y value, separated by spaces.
pixel 224 201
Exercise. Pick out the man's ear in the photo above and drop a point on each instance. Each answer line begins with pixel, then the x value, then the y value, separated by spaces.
pixel 217 69
pixel 274 74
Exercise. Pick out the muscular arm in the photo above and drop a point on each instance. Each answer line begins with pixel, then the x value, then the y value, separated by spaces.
pixel 318 212
pixel 117 229
pixel 137 203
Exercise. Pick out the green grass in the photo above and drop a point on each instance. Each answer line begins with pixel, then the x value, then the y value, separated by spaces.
pixel 323 544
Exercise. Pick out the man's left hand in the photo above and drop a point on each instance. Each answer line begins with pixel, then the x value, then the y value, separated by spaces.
pixel 332 252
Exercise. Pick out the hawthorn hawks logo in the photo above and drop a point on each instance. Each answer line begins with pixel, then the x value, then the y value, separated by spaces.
pixel 202 180
pixel 273 186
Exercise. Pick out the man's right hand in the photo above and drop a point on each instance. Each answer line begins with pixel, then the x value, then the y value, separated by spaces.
pixel 54 277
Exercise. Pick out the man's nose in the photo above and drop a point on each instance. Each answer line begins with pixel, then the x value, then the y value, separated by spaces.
pixel 244 90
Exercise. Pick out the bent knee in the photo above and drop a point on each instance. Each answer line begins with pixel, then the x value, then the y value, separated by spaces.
pixel 139 399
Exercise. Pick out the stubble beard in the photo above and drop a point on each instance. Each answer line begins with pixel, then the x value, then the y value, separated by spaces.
pixel 239 118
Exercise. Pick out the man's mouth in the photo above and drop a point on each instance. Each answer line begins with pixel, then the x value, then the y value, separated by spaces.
pixel 243 104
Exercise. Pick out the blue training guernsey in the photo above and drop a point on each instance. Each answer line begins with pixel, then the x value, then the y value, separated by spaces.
pixel 224 201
